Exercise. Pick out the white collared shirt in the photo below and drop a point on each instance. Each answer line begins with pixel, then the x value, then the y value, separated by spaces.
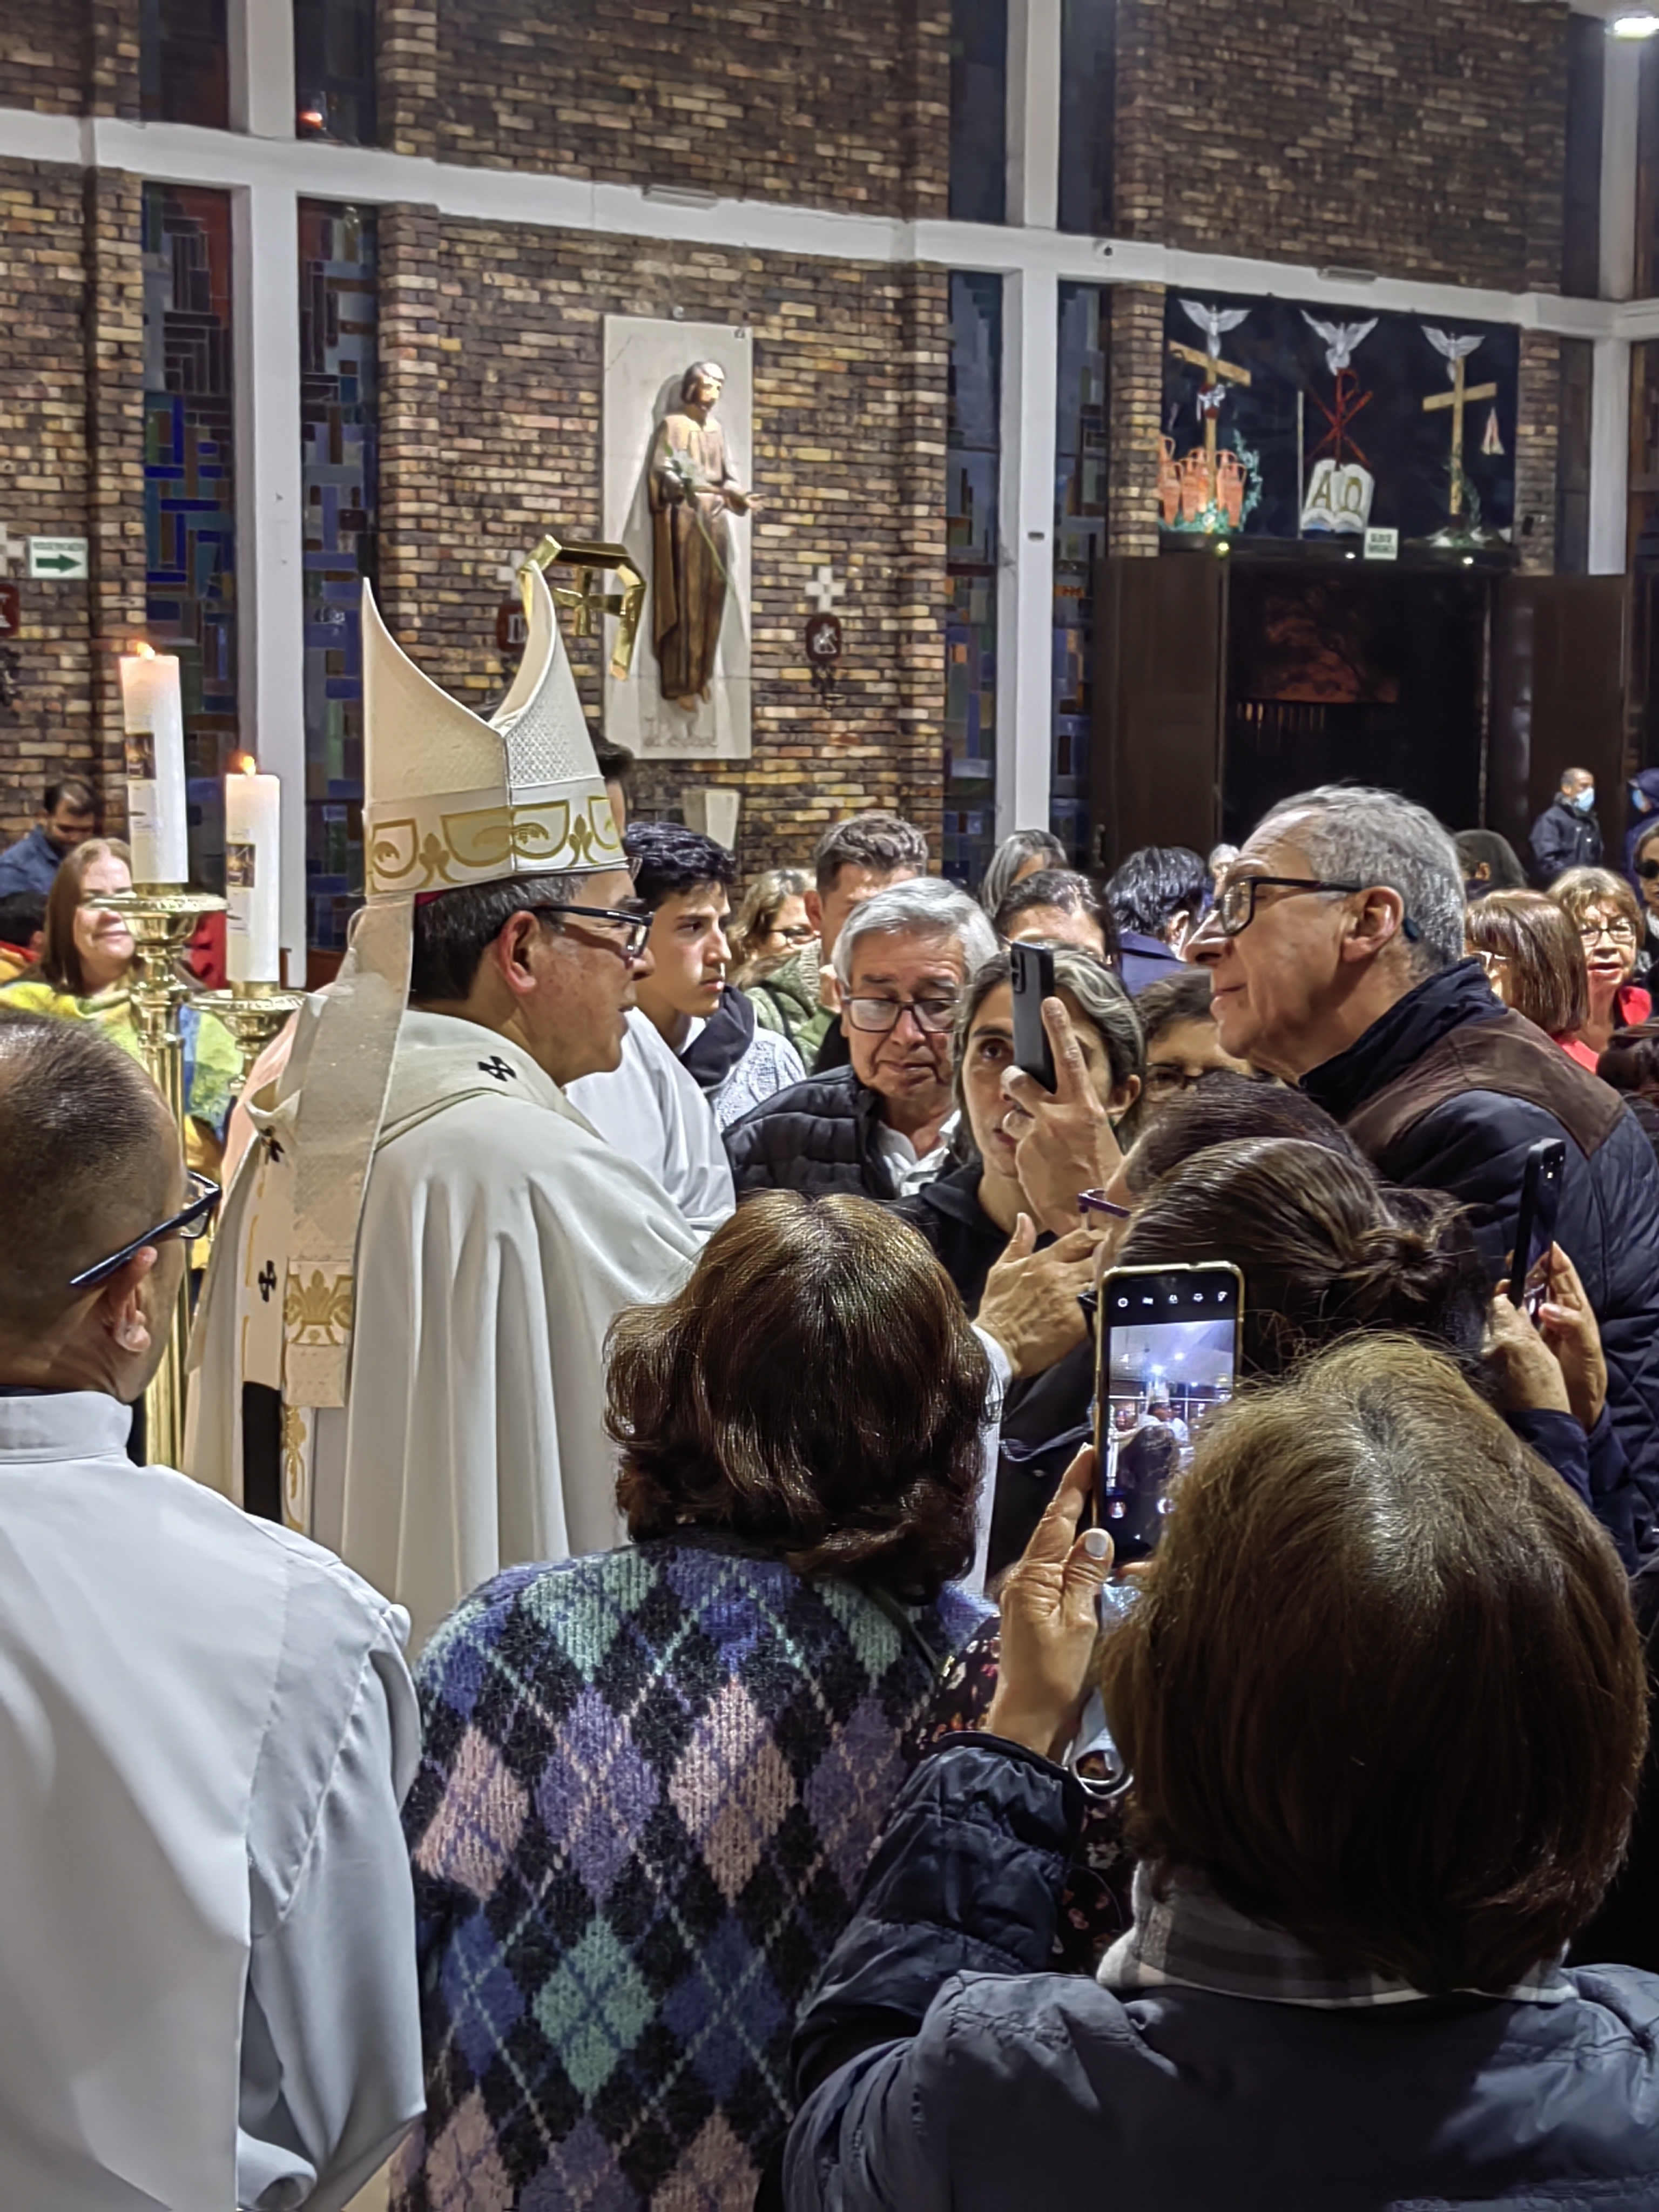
pixel 207 1979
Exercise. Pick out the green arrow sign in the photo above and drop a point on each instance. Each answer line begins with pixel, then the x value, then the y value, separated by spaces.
pixel 58 557
pixel 56 560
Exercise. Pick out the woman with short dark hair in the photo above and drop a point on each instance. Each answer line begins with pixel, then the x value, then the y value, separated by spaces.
pixel 654 1776
pixel 1383 1702
pixel 1534 961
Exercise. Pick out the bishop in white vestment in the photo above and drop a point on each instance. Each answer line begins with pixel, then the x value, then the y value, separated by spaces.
pixel 425 1248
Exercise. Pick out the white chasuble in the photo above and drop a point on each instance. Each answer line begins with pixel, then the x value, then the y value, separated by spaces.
pixel 500 1237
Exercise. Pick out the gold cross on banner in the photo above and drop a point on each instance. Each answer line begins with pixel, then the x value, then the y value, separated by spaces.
pixel 1457 399
pixel 1216 371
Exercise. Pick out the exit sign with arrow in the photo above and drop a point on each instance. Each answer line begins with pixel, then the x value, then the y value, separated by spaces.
pixel 65 558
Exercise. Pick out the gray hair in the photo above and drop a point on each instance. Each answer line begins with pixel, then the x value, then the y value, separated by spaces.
pixel 1355 835
pixel 925 907
pixel 1010 856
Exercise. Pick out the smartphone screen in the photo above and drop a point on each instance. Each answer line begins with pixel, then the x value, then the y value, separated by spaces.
pixel 1534 1226
pixel 1168 1342
pixel 1032 973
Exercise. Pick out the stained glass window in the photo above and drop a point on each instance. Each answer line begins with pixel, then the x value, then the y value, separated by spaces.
pixel 338 315
pixel 973 459
pixel 334 70
pixel 189 493
pixel 1080 476
pixel 183 67
pixel 1088 92
pixel 978 111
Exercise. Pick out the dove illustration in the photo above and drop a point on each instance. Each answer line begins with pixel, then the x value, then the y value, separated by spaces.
pixel 1215 322
pixel 1456 350
pixel 1342 339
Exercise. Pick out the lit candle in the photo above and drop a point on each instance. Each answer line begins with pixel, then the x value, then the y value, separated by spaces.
pixel 154 718
pixel 253 877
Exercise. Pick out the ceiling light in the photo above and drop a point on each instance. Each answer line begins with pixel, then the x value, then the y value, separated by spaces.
pixel 1638 23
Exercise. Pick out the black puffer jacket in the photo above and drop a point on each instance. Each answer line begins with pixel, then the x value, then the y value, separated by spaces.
pixel 818 1136
pixel 1447 1092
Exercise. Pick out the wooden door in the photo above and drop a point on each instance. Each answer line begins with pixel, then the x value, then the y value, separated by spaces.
pixel 1559 657
pixel 1156 775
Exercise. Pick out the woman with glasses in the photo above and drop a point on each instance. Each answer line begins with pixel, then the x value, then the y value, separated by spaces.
pixel 82 972
pixel 1603 907
pixel 1183 1043
pixel 1534 961
pixel 771 923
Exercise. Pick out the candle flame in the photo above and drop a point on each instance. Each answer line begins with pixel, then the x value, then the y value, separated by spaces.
pixel 144 650
pixel 244 764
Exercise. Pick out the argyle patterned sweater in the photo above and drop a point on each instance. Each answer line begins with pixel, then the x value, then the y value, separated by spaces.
pixel 652 1781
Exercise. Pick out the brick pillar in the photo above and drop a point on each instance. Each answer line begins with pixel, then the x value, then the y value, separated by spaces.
pixel 1136 405
pixel 1140 124
pixel 113 57
pixel 115 457
pixel 1538 438
pixel 411 452
pixel 406 75
pixel 927 57
pixel 919 584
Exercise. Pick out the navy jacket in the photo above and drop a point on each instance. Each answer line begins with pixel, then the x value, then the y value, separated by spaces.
pixel 943 2070
pixel 1564 838
pixel 1146 960
pixel 30 865
pixel 1473 1145
pixel 818 1137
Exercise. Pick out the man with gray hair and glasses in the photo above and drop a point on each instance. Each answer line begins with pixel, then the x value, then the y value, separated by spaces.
pixel 1335 952
pixel 879 1127
pixel 207 1993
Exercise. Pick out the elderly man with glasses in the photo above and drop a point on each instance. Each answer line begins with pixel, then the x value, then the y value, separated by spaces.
pixel 881 1125
pixel 207 1993
pixel 1335 953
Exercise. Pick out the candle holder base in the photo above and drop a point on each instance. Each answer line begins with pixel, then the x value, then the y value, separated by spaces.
pixel 253 1013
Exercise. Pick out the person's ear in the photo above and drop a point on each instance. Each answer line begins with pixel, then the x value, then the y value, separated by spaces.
pixel 518 953
pixel 1374 927
pixel 1123 1097
pixel 830 988
pixel 120 1306
pixel 815 912
pixel 1178 929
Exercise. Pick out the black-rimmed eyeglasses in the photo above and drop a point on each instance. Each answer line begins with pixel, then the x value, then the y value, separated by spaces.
pixel 187 1227
pixel 635 926
pixel 1235 906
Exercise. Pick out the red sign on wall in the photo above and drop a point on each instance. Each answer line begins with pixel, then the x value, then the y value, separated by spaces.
pixel 11 617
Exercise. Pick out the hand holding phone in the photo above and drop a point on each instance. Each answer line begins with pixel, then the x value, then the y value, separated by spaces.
pixel 1167 1342
pixel 1535 1227
pixel 1031 971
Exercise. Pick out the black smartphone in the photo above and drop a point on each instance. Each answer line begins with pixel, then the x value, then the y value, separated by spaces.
pixel 1033 971
pixel 1167 1348
pixel 1535 1227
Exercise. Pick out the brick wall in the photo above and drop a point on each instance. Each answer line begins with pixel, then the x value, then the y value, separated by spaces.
pixel 825 103
pixel 491 353
pixel 43 56
pixel 1538 438
pixel 1136 385
pixel 1411 139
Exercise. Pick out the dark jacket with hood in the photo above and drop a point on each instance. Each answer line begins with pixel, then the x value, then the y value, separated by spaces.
pixel 1447 1091
pixel 1564 838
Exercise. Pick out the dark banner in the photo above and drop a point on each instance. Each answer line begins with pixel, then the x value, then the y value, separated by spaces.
pixel 1281 421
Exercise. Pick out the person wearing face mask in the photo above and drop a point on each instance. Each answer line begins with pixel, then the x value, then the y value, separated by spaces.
pixel 1566 835
pixel 85 959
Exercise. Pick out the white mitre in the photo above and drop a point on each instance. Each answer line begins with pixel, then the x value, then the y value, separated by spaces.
pixel 450 800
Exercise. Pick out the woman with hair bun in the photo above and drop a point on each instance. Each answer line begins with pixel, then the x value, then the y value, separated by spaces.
pixel 653 1776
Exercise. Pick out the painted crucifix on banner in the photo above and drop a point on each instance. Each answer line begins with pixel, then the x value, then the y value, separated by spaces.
pixel 1341 489
pixel 1212 481
pixel 1456 351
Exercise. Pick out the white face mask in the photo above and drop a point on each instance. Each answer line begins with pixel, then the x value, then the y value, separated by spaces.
pixel 1584 800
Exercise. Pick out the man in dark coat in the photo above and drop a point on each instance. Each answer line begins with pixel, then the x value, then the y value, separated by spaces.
pixel 1566 835
pixel 1335 953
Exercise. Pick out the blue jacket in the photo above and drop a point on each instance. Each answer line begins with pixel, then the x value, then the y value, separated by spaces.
pixel 1473 1143
pixel 30 865
pixel 1146 960
pixel 943 2070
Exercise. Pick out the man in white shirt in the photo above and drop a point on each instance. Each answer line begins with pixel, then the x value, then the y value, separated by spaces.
pixel 207 1981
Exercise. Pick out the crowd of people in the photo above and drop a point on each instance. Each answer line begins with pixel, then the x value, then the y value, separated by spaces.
pixel 794 1801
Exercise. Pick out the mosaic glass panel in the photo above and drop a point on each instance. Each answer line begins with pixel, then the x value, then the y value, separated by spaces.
pixel 1088 99
pixel 338 315
pixel 978 111
pixel 189 492
pixel 1080 477
pixel 973 461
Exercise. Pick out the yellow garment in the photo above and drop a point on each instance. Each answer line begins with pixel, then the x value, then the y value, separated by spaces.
pixel 15 964
pixel 215 1063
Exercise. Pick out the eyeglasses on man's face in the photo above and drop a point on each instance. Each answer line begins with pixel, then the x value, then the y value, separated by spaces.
pixel 187 1226
pixel 628 928
pixel 1235 906
pixel 933 1016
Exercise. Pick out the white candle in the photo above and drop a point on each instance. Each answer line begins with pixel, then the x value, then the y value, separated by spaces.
pixel 253 877
pixel 153 717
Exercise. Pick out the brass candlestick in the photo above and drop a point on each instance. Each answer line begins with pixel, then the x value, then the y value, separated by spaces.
pixel 253 1013
pixel 162 918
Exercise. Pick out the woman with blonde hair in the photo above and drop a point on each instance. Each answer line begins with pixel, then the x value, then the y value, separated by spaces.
pixel 85 961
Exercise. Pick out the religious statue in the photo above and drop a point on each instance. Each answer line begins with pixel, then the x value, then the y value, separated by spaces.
pixel 692 492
